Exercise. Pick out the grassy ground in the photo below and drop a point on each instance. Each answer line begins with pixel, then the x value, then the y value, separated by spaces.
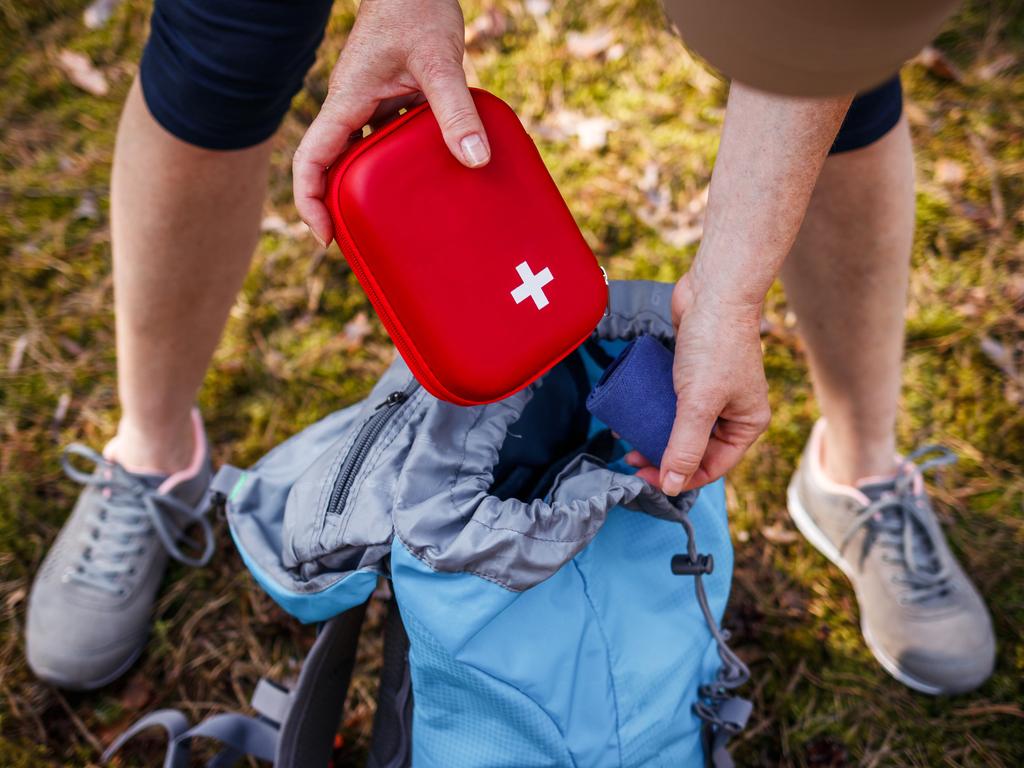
pixel 291 355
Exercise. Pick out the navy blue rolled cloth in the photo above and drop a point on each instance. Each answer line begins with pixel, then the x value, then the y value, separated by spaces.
pixel 636 398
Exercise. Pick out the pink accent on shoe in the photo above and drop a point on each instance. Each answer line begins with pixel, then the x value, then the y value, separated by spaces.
pixel 198 456
pixel 918 482
pixel 815 452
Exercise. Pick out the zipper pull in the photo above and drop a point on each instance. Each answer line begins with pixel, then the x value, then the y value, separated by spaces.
pixel 393 399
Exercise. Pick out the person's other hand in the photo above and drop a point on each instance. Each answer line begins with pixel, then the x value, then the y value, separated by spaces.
pixel 398 52
pixel 722 394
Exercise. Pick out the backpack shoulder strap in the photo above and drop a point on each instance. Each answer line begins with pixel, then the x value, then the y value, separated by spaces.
pixel 391 745
pixel 318 698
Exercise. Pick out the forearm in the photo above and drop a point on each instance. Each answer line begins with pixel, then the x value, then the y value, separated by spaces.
pixel 771 152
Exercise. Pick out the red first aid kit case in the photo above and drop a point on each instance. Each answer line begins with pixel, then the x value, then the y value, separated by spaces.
pixel 480 275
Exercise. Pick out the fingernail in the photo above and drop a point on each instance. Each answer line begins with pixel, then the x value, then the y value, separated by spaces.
pixel 474 150
pixel 316 236
pixel 673 484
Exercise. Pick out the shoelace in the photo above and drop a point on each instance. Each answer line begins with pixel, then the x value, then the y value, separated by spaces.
pixel 902 523
pixel 128 510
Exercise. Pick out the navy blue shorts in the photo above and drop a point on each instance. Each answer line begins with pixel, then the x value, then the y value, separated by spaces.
pixel 221 74
pixel 871 115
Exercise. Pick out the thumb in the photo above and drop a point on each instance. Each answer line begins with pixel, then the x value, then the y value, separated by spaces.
pixel 686 445
pixel 443 82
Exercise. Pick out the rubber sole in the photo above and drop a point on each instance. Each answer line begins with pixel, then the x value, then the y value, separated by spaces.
pixel 88 685
pixel 810 530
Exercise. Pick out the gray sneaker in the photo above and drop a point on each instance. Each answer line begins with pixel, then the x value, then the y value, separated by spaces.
pixel 920 615
pixel 90 605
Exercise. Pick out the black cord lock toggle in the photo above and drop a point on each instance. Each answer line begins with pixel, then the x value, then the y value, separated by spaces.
pixel 682 565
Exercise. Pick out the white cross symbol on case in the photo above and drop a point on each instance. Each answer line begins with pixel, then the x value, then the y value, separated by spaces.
pixel 532 286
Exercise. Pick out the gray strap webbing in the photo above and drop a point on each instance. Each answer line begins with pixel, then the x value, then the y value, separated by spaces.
pixel 226 479
pixel 271 700
pixel 720 757
pixel 733 714
pixel 325 672
pixel 174 724
pixel 220 488
pixel 241 735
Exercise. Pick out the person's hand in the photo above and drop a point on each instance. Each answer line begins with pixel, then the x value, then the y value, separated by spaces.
pixel 722 394
pixel 398 52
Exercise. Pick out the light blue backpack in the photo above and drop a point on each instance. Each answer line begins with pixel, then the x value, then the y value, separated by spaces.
pixel 552 608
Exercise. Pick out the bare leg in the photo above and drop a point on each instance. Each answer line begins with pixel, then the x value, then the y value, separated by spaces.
pixel 185 222
pixel 846 279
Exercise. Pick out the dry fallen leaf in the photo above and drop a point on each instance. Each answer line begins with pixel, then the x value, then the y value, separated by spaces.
pixel 591 132
pixel 316 284
pixel 936 62
pixel 88 207
pixel 682 236
pixel 15 597
pixel 588 45
pixel 70 346
pixel 996 67
pixel 138 692
pixel 61 411
pixel 1000 355
pixel 489 25
pixel 99 12
pixel 915 114
pixel 538 8
pixel 273 223
pixel 276 224
pixel 357 329
pixel 82 73
pixel 615 53
pixel 776 533
pixel 949 172
pixel 17 353
pixel 679 227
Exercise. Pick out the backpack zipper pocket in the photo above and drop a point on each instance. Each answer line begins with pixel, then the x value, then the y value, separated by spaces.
pixel 367 436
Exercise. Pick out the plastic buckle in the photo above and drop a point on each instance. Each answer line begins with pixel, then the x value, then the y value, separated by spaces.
pixel 682 565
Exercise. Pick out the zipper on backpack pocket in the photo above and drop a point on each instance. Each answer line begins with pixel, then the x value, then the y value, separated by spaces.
pixel 367 436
